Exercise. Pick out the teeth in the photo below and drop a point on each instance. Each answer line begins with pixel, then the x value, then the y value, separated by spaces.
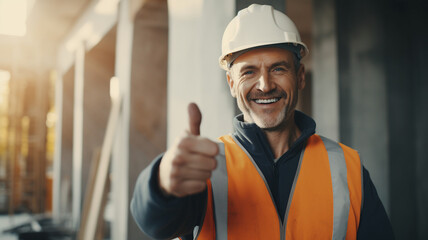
pixel 265 101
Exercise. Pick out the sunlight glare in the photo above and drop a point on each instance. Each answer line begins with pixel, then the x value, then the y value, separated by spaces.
pixel 13 17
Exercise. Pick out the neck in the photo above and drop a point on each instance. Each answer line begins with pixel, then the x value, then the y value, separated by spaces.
pixel 280 140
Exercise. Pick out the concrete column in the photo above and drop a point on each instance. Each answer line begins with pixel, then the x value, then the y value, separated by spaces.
pixel 363 99
pixel 66 143
pixel 96 20
pixel 147 137
pixel 99 68
pixel 408 116
pixel 195 32
pixel 56 190
pixel 120 164
pixel 420 113
pixel 78 135
pixel 325 84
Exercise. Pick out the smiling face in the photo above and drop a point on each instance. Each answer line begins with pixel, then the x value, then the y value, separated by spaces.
pixel 265 83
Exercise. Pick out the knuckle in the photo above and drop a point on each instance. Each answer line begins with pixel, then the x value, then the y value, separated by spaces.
pixel 215 148
pixel 174 186
pixel 214 163
pixel 175 173
pixel 212 147
pixel 184 142
pixel 201 186
pixel 178 159
pixel 193 190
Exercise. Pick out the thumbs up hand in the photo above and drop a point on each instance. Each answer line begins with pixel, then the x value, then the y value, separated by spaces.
pixel 186 166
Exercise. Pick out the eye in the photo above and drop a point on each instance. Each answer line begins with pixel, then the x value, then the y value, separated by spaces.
pixel 249 72
pixel 278 69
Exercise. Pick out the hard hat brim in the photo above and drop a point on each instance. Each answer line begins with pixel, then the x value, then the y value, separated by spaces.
pixel 298 48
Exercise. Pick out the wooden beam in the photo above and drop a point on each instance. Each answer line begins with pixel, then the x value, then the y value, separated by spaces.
pixel 94 206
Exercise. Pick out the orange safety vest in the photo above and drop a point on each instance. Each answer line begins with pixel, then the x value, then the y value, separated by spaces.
pixel 325 200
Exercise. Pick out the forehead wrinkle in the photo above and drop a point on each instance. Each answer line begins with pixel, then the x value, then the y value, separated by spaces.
pixel 250 66
pixel 281 63
pixel 260 60
pixel 247 67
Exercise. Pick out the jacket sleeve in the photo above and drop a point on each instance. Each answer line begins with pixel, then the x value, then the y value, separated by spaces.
pixel 374 222
pixel 163 217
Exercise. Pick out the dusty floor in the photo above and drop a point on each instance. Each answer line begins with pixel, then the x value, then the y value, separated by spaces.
pixel 7 222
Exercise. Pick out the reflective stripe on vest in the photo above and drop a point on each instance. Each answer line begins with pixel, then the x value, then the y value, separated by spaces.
pixel 324 202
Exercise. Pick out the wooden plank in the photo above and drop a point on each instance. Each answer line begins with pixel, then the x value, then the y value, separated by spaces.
pixel 95 203
pixel 89 190
pixel 99 235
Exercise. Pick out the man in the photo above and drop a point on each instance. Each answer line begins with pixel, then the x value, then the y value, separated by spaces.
pixel 273 178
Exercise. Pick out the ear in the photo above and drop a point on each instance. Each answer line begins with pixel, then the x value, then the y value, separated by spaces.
pixel 230 82
pixel 301 81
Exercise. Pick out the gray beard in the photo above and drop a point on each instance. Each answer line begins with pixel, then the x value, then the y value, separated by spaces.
pixel 279 123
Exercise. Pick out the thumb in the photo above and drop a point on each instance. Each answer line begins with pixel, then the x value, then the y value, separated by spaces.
pixel 195 118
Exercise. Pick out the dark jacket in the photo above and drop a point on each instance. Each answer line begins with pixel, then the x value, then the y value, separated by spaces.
pixel 165 218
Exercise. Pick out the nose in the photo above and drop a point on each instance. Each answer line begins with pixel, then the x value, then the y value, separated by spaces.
pixel 265 84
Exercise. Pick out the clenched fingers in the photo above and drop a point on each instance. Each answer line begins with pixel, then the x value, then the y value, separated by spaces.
pixel 194 160
pixel 185 173
pixel 196 144
pixel 189 187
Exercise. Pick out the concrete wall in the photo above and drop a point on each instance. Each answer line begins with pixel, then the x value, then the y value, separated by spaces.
pixel 147 131
pixel 362 84
pixel 325 90
pixel 67 143
pixel 406 60
pixel 382 79
pixel 195 32
pixel 419 74
pixel 99 68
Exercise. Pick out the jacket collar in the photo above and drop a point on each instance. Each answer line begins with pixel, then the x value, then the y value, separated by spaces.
pixel 255 142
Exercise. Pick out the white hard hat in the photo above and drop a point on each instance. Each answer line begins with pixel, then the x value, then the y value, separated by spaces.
pixel 256 26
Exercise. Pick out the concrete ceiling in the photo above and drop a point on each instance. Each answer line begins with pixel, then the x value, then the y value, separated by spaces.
pixel 50 21
pixel 47 24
